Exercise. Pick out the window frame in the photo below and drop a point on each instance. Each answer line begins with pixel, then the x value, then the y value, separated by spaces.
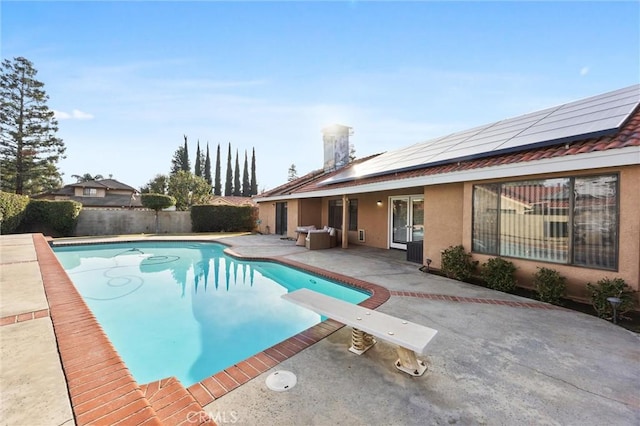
pixel 571 214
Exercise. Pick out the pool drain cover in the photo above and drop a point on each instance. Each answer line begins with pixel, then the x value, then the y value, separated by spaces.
pixel 281 380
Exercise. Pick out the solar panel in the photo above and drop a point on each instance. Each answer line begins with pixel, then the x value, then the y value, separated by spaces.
pixel 590 117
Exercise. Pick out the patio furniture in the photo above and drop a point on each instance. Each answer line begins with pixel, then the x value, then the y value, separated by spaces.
pixel 317 239
pixel 411 338
pixel 302 234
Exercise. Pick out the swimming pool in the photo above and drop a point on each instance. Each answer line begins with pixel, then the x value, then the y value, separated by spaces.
pixel 187 309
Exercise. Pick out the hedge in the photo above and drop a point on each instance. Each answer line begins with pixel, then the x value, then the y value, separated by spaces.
pixel 208 218
pixel 13 208
pixel 55 218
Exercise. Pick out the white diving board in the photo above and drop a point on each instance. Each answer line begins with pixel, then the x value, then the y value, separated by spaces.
pixel 412 339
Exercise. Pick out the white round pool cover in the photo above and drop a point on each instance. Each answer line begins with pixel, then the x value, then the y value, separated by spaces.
pixel 281 380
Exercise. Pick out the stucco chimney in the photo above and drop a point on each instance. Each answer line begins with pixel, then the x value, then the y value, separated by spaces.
pixel 336 146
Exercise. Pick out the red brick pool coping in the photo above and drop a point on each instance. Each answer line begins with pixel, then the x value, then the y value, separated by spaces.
pixel 103 391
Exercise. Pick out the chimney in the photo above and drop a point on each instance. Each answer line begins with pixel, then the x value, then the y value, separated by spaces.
pixel 336 146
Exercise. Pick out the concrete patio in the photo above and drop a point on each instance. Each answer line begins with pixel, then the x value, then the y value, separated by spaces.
pixel 497 358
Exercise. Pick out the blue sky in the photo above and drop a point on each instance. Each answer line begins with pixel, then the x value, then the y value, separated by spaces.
pixel 129 79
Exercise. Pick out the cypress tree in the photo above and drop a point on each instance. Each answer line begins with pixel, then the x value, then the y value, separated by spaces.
pixel 237 189
pixel 217 185
pixel 198 167
pixel 186 166
pixel 207 167
pixel 228 184
pixel 246 186
pixel 254 183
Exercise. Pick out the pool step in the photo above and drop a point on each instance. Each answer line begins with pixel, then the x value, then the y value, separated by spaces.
pixel 173 404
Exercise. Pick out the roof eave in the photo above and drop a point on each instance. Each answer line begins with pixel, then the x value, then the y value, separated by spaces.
pixel 593 160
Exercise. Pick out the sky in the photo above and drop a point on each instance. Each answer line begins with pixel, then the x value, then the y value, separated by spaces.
pixel 127 79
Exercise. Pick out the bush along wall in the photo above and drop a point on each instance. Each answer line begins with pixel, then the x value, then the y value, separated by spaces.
pixel 208 218
pixel 54 218
pixel 13 208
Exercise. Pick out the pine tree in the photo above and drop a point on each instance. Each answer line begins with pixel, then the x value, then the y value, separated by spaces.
pixel 217 185
pixel 237 189
pixel 180 159
pixel 198 166
pixel 207 166
pixel 254 183
pixel 29 148
pixel 228 184
pixel 246 185
pixel 292 174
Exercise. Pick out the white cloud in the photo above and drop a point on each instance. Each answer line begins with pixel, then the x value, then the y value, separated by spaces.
pixel 584 71
pixel 76 114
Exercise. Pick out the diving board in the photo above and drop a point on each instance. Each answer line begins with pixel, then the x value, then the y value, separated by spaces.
pixel 411 338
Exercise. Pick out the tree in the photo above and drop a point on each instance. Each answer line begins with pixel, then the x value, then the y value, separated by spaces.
pixel 352 152
pixel 228 184
pixel 237 189
pixel 87 177
pixel 254 183
pixel 246 185
pixel 292 174
pixel 158 185
pixel 157 202
pixel 180 159
pixel 188 189
pixel 207 167
pixel 217 186
pixel 29 148
pixel 198 167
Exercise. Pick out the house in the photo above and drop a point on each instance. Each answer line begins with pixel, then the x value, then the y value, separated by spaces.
pixel 234 201
pixel 556 188
pixel 102 194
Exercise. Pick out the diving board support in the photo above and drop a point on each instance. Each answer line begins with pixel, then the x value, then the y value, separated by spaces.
pixel 411 339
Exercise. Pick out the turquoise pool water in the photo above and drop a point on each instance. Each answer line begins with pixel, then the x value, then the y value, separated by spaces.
pixel 186 309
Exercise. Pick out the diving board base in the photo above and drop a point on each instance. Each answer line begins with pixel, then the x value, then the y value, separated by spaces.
pixel 360 341
pixel 408 363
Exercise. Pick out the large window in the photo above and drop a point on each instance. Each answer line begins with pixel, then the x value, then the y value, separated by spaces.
pixel 565 220
pixel 89 192
pixel 335 214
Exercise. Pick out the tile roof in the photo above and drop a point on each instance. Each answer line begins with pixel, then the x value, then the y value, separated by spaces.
pixel 629 135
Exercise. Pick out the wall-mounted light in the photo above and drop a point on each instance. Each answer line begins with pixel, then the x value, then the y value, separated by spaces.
pixel 379 203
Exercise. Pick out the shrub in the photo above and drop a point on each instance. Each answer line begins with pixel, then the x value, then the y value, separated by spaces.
pixel 157 201
pixel 550 285
pixel 57 218
pixel 209 218
pixel 12 211
pixel 499 274
pixel 457 264
pixel 607 287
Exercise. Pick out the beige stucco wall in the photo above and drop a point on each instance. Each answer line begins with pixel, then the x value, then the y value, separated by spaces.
pixel 116 222
pixel 443 218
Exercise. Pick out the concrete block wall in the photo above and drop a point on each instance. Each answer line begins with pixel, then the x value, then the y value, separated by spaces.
pixel 117 222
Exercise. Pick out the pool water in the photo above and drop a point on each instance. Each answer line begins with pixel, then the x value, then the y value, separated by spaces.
pixel 187 309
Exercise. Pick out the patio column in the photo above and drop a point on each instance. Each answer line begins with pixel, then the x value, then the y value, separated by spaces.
pixel 345 221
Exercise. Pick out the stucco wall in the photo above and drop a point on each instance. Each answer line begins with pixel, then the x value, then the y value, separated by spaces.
pixel 443 218
pixel 116 222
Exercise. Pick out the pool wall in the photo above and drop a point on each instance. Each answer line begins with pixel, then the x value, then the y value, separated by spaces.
pixel 101 388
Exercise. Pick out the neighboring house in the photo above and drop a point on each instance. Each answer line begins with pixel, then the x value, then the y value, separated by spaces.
pixel 235 201
pixel 105 193
pixel 557 188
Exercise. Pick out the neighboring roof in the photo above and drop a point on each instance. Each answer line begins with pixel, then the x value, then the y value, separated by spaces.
pixel 103 183
pixel 618 147
pixel 110 201
pixel 232 200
